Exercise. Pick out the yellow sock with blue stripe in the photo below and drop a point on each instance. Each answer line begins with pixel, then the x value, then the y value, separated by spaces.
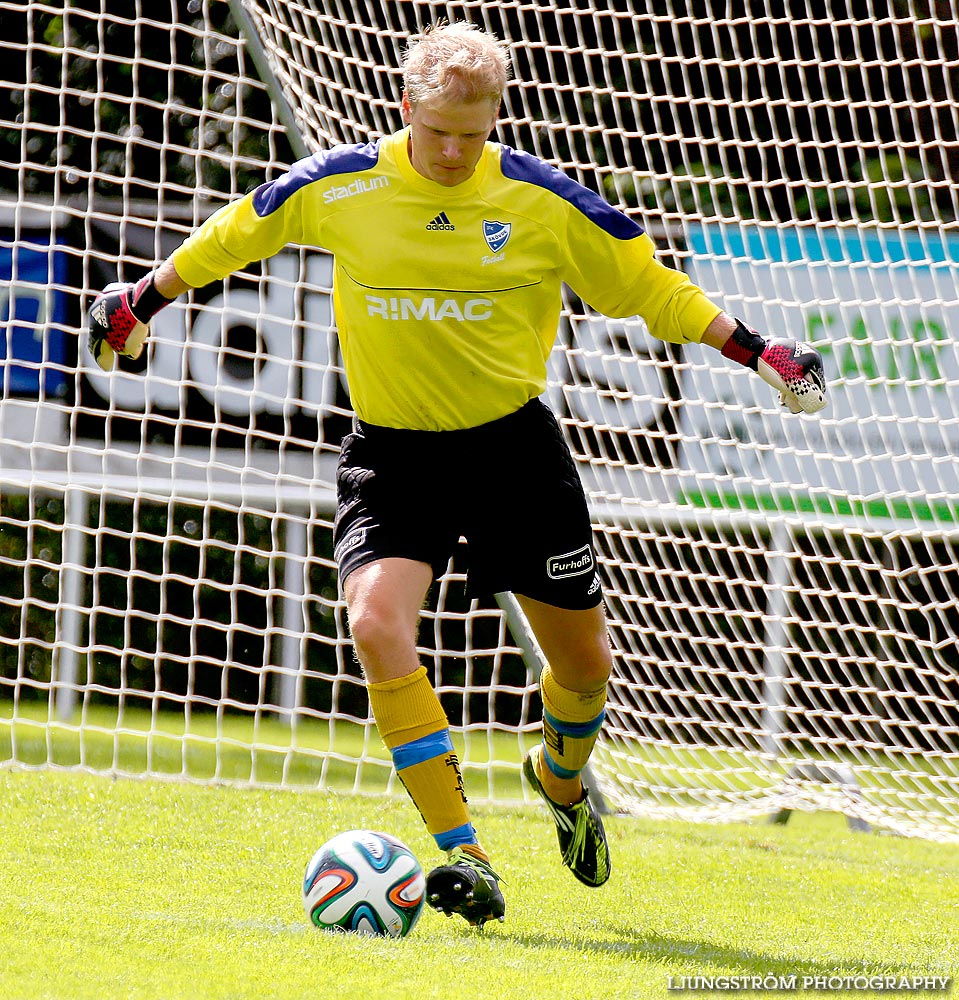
pixel 571 724
pixel 414 727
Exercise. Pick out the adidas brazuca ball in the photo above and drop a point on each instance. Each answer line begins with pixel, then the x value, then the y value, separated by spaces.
pixel 366 882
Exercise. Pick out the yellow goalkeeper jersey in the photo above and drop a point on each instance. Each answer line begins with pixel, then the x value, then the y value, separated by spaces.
pixel 447 299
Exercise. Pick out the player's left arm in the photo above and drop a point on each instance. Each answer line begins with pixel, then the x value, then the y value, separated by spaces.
pixel 616 270
pixel 792 367
pixel 677 310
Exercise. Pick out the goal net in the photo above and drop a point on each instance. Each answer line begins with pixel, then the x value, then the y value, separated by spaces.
pixel 781 589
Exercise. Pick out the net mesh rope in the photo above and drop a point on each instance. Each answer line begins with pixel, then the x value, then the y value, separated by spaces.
pixel 780 589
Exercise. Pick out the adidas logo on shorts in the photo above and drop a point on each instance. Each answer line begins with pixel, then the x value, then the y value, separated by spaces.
pixel 442 221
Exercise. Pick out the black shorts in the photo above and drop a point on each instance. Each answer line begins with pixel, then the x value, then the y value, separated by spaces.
pixel 509 487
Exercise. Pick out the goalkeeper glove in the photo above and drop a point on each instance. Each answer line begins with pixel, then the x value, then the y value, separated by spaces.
pixel 795 369
pixel 120 317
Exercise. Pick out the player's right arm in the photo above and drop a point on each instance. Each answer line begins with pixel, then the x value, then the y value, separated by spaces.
pixel 119 319
pixel 168 281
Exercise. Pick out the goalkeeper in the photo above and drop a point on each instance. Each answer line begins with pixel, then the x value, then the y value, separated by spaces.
pixel 450 252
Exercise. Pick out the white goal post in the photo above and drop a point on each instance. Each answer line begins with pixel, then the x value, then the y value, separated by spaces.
pixel 781 589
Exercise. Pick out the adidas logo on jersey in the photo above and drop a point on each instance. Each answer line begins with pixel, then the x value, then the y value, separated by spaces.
pixel 442 221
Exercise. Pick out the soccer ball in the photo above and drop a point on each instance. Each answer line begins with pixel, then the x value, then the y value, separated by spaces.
pixel 366 882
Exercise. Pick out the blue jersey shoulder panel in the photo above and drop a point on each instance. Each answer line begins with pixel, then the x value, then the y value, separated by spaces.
pixel 520 166
pixel 348 159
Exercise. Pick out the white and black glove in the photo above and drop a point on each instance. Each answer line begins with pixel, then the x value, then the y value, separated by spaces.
pixel 795 369
pixel 120 317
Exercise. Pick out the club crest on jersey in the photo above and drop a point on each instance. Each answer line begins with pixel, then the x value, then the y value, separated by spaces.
pixel 496 234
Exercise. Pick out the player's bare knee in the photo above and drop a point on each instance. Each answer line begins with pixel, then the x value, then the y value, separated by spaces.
pixel 380 632
pixel 594 671
pixel 372 627
pixel 583 667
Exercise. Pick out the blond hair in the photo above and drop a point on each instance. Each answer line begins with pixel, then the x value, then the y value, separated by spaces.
pixel 457 62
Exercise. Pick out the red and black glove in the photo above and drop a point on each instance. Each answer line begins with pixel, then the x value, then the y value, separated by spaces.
pixel 120 317
pixel 795 369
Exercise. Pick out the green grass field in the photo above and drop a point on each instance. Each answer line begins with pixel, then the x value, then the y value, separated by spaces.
pixel 238 749
pixel 148 889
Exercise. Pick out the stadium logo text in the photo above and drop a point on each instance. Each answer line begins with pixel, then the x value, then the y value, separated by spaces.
pixel 397 307
pixel 358 186
pixel 570 563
